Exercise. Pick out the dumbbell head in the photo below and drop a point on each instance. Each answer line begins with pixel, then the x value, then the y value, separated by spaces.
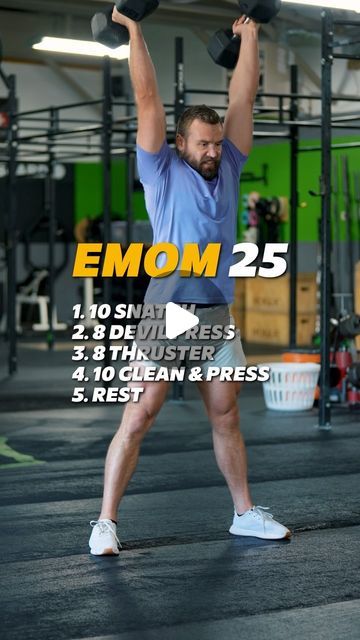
pixel 109 33
pixel 261 11
pixel 354 374
pixel 113 35
pixel 136 9
pixel 349 326
pixel 224 49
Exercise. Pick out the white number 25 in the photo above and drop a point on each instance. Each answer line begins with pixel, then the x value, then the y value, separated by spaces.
pixel 242 269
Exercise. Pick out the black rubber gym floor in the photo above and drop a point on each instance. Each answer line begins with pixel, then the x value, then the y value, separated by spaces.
pixel 180 575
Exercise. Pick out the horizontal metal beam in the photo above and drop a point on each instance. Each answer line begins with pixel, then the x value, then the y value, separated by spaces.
pixel 347 23
pixel 346 56
pixel 339 145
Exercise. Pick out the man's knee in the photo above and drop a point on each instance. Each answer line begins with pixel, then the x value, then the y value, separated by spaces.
pixel 138 417
pixel 225 418
pixel 136 423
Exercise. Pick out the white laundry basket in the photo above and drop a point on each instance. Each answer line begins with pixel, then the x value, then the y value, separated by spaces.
pixel 291 386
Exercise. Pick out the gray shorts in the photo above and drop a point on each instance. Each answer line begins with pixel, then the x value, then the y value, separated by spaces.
pixel 225 352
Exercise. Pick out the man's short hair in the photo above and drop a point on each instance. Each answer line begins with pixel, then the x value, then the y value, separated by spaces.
pixel 196 112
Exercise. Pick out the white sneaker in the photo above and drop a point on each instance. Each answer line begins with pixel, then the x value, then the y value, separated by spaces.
pixel 103 540
pixel 259 524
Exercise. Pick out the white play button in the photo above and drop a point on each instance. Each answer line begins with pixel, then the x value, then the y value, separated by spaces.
pixel 178 320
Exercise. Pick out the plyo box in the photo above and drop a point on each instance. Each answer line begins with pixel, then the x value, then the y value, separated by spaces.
pixel 267 316
pixel 240 293
pixel 274 328
pixel 239 318
pixel 273 294
pixel 237 309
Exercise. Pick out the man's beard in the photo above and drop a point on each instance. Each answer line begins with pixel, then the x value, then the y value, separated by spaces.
pixel 208 169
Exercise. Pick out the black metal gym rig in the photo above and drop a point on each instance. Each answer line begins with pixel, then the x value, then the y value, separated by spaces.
pixel 50 148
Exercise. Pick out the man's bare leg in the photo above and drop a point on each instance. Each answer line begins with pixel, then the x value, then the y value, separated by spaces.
pixel 123 452
pixel 220 400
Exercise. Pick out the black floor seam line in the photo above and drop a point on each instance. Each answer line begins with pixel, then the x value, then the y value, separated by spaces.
pixel 327 436
pixel 174 541
pixel 144 454
pixel 197 539
pixel 143 491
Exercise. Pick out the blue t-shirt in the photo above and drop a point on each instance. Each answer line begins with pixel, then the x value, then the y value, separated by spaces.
pixel 183 208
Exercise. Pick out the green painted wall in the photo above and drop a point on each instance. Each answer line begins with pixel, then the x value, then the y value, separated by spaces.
pixel 277 156
pixel 88 192
pixel 88 186
pixel 88 189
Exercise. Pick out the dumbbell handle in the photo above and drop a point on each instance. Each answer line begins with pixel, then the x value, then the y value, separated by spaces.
pixel 236 36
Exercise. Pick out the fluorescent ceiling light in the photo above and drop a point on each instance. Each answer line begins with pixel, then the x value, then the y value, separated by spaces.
pixel 348 5
pixel 81 47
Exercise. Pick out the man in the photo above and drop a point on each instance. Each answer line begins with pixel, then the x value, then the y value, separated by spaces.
pixel 191 196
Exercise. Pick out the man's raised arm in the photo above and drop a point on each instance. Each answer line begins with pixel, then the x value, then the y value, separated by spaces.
pixel 244 84
pixel 151 114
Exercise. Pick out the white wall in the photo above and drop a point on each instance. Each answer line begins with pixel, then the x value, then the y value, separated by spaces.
pixel 39 86
pixel 344 81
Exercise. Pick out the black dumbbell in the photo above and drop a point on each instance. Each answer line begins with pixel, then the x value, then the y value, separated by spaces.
pixel 113 35
pixel 354 374
pixel 105 31
pixel 261 11
pixel 224 46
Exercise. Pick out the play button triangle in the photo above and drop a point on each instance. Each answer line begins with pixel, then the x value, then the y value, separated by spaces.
pixel 178 320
